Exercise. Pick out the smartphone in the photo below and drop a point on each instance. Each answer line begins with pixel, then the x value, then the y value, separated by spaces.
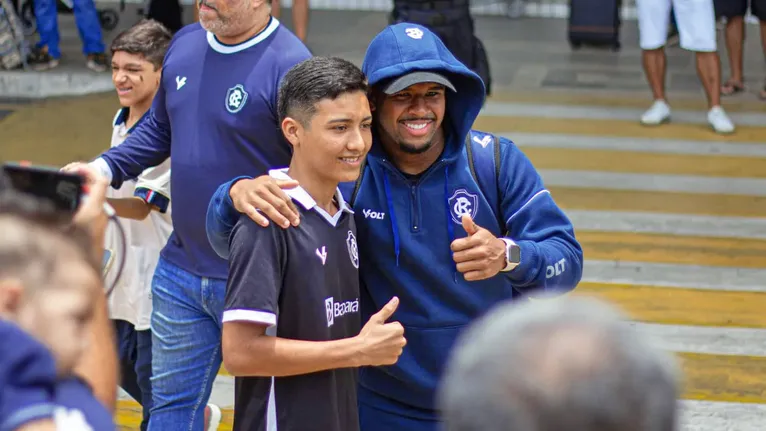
pixel 106 263
pixel 62 189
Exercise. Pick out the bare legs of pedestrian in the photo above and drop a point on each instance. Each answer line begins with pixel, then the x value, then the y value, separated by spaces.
pixel 300 9
pixel 735 39
pixel 709 71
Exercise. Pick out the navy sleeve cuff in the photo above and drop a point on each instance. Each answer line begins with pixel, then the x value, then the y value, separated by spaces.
pixel 526 271
pixel 154 198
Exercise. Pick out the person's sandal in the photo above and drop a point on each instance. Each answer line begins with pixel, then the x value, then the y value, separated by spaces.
pixel 730 88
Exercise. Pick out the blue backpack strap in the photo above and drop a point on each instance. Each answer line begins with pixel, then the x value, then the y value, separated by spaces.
pixel 483 151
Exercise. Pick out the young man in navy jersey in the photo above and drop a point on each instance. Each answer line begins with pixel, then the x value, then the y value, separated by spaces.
pixel 215 116
pixel 450 234
pixel 303 282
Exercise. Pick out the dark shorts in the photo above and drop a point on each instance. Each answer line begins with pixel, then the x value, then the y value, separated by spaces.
pixel 732 8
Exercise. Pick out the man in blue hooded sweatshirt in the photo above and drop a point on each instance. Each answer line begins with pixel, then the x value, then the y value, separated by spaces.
pixel 427 231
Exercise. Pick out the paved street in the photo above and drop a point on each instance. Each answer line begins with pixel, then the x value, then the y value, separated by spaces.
pixel 672 219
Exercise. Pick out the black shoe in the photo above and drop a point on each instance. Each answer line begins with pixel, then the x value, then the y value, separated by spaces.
pixel 97 62
pixel 39 59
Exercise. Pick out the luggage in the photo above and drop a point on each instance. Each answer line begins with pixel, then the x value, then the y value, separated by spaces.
pixel 594 22
pixel 13 46
pixel 451 21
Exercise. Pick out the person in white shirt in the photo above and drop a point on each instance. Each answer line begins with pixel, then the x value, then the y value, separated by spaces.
pixel 695 20
pixel 144 206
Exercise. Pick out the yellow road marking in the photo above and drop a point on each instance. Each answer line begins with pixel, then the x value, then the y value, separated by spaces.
pixel 666 202
pixel 724 378
pixel 657 248
pixel 674 306
pixel 617 128
pixel 637 101
pixel 128 416
pixel 646 163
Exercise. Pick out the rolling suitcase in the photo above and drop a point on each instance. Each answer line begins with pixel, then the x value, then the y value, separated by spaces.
pixel 594 22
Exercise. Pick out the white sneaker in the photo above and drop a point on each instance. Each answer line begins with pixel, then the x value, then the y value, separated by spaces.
pixel 719 121
pixel 657 114
pixel 215 418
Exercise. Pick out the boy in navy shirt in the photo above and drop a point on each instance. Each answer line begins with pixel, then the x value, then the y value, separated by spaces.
pixel 303 282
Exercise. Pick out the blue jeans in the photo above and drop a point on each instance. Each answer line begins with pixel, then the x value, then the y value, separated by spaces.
pixel 186 346
pixel 86 18
pixel 135 351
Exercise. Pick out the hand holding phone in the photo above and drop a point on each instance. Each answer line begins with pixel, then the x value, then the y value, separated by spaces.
pixel 62 189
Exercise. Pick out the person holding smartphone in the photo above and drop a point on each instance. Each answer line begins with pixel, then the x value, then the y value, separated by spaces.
pixel 51 290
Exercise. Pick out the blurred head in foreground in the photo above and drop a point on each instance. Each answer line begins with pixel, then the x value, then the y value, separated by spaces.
pixel 558 364
pixel 47 280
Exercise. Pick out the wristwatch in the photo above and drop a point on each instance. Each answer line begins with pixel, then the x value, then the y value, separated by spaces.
pixel 512 255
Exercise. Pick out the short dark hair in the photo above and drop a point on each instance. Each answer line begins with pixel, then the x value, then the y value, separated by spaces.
pixel 148 38
pixel 316 79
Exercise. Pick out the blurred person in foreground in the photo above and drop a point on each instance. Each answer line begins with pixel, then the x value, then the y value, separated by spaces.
pixel 559 364
pixel 51 289
pixel 697 33
pixel 734 11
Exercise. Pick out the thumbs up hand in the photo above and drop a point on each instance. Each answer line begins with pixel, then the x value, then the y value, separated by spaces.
pixel 480 255
pixel 382 343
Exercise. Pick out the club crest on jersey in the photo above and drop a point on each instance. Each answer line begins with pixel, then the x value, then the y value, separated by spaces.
pixel 463 203
pixel 236 97
pixel 353 252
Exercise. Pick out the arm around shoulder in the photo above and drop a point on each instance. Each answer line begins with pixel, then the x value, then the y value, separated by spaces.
pixel 551 257
pixel 221 218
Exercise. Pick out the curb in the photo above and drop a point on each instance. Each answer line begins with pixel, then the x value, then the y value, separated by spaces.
pixel 41 85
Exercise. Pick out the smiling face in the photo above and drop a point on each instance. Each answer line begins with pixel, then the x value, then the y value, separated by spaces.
pixel 335 139
pixel 135 78
pixel 410 118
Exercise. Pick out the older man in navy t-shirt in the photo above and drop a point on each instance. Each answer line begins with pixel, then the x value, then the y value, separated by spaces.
pixel 215 117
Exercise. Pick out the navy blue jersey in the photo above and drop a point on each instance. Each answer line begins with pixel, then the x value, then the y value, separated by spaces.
pixel 27 378
pixel 305 281
pixel 30 389
pixel 215 116
pixel 77 407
